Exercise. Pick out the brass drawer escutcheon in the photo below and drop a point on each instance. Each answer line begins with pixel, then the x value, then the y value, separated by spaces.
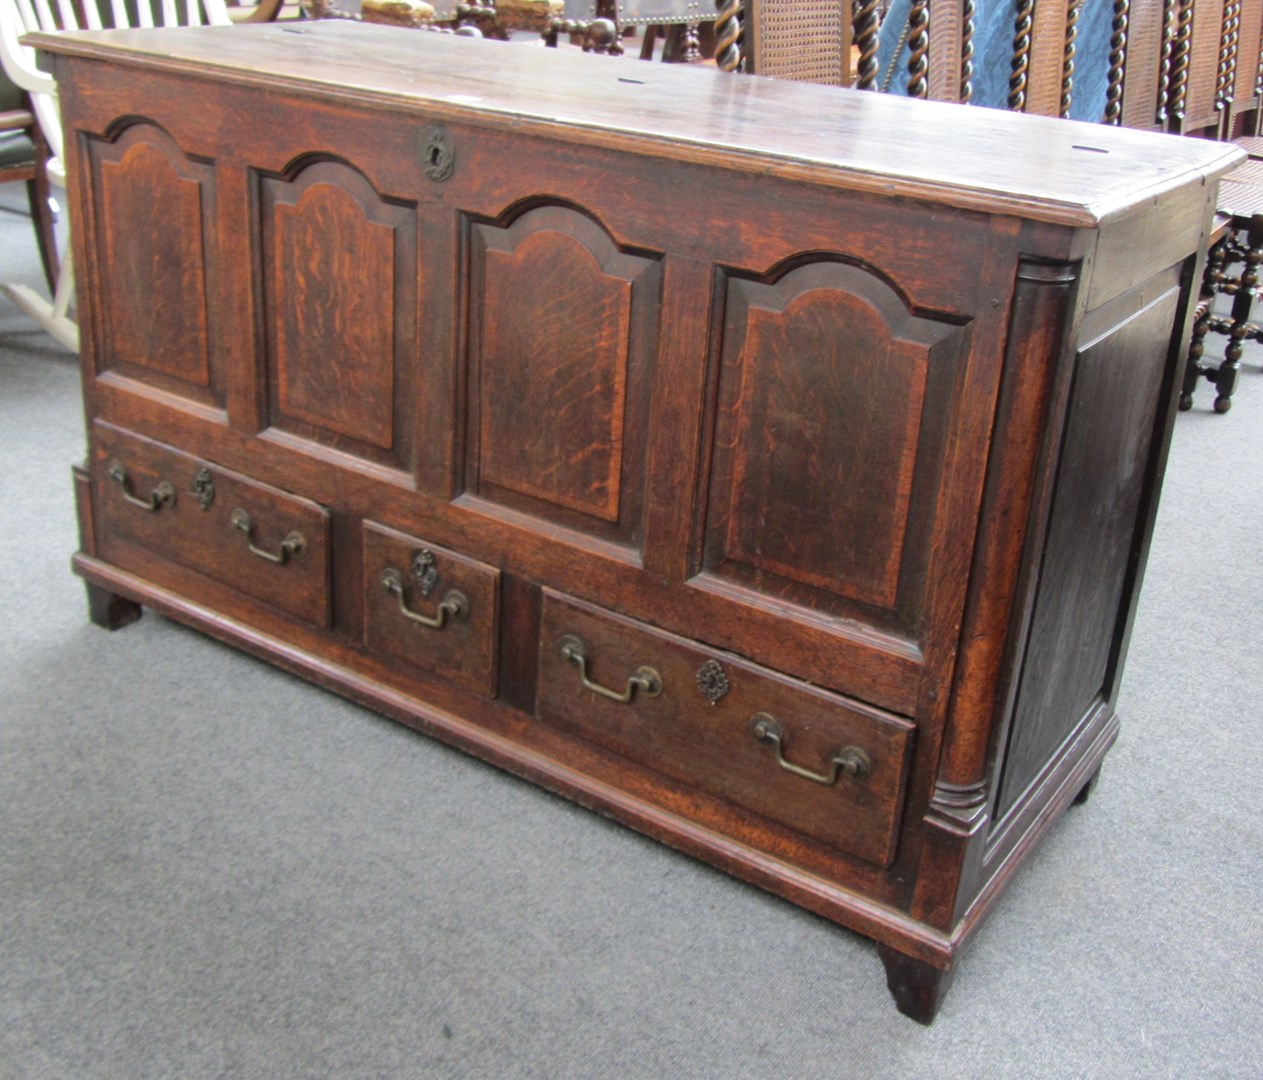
pixel 204 488
pixel 850 760
pixel 425 571
pixel 163 495
pixel 293 546
pixel 712 681
pixel 644 680
pixel 455 604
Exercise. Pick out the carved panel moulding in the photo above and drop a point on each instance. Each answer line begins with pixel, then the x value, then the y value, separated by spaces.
pixel 560 356
pixel 155 314
pixel 338 261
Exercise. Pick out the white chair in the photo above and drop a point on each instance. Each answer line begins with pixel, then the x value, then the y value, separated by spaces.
pixel 18 17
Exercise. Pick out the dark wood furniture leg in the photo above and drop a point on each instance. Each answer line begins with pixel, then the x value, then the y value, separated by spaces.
pixel 1085 792
pixel 917 987
pixel 33 172
pixel 1239 328
pixel 1236 326
pixel 1196 350
pixel 39 196
pixel 1212 278
pixel 649 40
pixel 110 610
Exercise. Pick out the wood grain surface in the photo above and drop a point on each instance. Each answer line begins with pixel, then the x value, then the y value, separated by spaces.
pixel 1078 174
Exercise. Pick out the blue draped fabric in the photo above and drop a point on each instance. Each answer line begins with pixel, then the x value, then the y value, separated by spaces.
pixel 993 48
pixel 1090 88
pixel 890 37
pixel 993 54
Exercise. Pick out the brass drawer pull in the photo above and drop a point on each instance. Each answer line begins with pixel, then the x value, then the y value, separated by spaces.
pixel 455 605
pixel 644 680
pixel 850 760
pixel 294 545
pixel 162 495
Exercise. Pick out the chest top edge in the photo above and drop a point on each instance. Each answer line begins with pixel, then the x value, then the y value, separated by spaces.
pixel 1057 171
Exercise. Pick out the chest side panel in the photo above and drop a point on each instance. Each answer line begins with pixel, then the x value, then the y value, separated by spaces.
pixel 1093 542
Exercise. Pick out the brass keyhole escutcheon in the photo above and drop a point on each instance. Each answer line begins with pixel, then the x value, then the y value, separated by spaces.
pixel 425 572
pixel 712 681
pixel 204 488
pixel 438 154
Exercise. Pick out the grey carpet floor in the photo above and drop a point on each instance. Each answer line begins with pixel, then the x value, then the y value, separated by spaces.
pixel 209 869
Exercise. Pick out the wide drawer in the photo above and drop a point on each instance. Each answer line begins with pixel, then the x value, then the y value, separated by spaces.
pixel 255 538
pixel 432 608
pixel 831 768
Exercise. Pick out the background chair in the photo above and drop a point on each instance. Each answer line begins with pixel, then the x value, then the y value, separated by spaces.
pixel 17 17
pixel 803 40
pixel 1232 270
pixel 23 151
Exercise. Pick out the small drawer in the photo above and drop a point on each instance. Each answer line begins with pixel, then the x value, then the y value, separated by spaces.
pixel 432 608
pixel 252 537
pixel 831 768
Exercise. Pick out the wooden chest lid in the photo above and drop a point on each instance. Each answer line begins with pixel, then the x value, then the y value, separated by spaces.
pixel 1058 171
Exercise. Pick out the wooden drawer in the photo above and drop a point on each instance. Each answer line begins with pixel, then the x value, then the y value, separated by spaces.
pixel 431 608
pixel 831 768
pixel 268 544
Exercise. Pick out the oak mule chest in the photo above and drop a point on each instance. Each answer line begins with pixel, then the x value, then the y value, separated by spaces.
pixel 770 467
